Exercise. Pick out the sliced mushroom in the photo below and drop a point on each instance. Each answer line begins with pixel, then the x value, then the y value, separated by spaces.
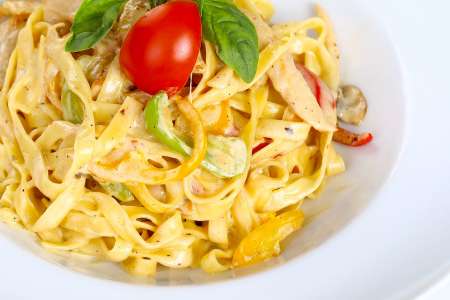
pixel 351 105
pixel 18 8
pixel 132 11
pixel 60 10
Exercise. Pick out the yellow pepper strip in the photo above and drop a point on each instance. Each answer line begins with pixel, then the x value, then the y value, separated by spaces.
pixel 137 171
pixel 217 118
pixel 199 137
pixel 264 241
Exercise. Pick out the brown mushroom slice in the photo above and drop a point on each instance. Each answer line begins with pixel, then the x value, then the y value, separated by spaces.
pixel 131 13
pixel 351 105
pixel 18 8
pixel 60 10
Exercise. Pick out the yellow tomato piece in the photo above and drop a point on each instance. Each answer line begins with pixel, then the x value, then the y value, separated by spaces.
pixel 264 241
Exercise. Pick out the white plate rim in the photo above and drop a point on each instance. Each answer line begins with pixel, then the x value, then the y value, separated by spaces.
pixel 135 290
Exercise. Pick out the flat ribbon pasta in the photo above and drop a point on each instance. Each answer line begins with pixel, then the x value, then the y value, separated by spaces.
pixel 108 189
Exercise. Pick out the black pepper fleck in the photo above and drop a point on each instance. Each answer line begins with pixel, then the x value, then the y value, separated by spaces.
pixel 289 130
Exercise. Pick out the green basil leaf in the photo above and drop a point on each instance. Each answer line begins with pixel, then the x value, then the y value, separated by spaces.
pixel 92 22
pixel 72 106
pixel 233 33
pixel 155 3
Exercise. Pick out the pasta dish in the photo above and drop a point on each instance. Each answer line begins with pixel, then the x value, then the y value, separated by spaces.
pixel 174 134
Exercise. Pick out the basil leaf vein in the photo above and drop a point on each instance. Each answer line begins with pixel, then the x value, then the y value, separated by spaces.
pixel 93 20
pixel 233 33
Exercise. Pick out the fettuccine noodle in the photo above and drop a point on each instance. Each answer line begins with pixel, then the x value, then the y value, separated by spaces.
pixel 57 178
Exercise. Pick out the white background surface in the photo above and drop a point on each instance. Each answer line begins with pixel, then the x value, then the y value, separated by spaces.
pixel 417 249
pixel 424 49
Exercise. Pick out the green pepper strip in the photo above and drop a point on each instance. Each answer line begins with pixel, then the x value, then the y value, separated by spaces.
pixel 118 191
pixel 72 106
pixel 226 156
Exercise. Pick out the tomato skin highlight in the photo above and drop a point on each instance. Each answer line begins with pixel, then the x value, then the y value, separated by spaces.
pixel 161 49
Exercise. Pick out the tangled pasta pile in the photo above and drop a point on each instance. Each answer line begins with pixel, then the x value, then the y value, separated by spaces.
pixel 104 185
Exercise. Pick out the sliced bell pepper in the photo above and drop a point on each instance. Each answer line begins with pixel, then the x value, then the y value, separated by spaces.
pixel 118 191
pixel 348 138
pixel 259 147
pixel 226 156
pixel 158 123
pixel 264 241
pixel 72 106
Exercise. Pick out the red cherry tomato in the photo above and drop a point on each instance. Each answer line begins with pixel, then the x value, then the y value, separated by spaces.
pixel 161 49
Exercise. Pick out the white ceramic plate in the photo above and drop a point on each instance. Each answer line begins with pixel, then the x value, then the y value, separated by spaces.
pixel 382 230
